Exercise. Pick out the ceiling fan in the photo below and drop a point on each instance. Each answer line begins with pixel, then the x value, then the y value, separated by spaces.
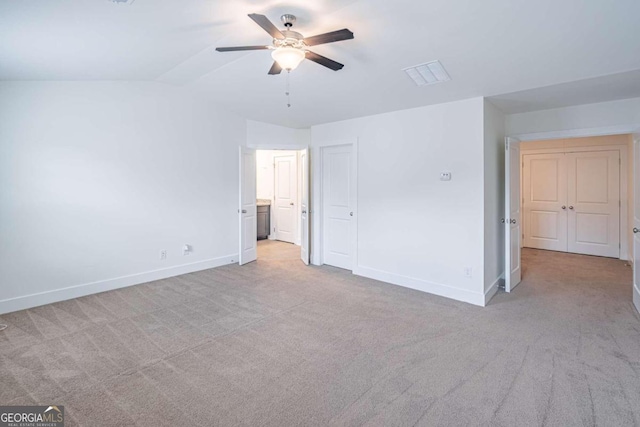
pixel 289 48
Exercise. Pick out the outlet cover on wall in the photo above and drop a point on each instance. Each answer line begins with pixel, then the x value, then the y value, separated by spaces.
pixel 468 272
pixel 163 254
pixel 445 176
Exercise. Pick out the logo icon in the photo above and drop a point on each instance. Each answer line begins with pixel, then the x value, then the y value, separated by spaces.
pixel 32 416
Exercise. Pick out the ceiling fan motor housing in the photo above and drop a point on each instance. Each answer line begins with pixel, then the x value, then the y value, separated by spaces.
pixel 291 39
pixel 288 20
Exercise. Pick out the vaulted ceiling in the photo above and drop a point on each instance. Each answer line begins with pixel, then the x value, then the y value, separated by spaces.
pixel 490 48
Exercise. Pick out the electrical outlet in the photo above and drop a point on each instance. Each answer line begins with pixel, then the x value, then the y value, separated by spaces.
pixel 468 272
pixel 163 254
pixel 186 250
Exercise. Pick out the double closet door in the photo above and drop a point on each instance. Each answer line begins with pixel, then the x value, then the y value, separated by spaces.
pixel 571 202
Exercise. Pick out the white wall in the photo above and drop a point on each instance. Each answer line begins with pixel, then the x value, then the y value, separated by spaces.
pixel 619 116
pixel 494 134
pixel 264 174
pixel 97 178
pixel 413 229
pixel 268 136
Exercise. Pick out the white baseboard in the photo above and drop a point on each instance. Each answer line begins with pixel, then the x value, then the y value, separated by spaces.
pixel 35 300
pixel 493 289
pixel 636 297
pixel 422 285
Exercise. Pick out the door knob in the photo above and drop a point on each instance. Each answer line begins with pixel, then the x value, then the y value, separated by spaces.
pixel 350 213
pixel 564 207
pixel 513 221
pixel 635 230
pixel 304 212
pixel 291 203
pixel 571 207
pixel 244 211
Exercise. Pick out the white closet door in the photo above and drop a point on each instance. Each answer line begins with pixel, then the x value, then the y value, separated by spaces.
pixel 337 206
pixel 594 203
pixel 544 201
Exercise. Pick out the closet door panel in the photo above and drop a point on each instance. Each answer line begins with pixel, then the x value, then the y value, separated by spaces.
pixel 544 201
pixel 594 203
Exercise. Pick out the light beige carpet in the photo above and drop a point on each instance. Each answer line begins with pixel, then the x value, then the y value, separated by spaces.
pixel 277 343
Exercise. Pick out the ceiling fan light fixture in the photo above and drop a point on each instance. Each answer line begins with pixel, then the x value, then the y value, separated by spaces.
pixel 289 48
pixel 288 57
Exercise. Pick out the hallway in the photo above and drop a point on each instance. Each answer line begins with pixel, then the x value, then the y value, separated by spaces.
pixel 273 250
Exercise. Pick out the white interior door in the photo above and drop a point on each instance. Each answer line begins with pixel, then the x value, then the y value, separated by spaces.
pixel 285 195
pixel 304 206
pixel 594 203
pixel 636 221
pixel 513 271
pixel 544 200
pixel 248 210
pixel 337 206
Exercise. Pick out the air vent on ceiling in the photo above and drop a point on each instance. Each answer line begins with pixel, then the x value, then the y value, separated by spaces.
pixel 428 73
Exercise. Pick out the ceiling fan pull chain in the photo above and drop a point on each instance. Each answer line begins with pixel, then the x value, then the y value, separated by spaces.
pixel 287 90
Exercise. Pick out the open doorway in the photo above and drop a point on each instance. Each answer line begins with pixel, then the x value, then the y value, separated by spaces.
pixel 571 195
pixel 278 185
pixel 577 195
pixel 274 199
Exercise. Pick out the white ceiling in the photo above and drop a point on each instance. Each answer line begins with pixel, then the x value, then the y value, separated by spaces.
pixel 588 91
pixel 489 47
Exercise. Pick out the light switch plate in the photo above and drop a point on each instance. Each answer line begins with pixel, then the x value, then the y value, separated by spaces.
pixel 445 176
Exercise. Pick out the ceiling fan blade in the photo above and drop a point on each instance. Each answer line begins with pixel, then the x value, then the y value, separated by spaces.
pixel 275 68
pixel 266 25
pixel 232 49
pixel 329 63
pixel 334 36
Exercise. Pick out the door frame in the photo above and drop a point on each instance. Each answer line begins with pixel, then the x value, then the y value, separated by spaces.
pixel 317 226
pixel 633 129
pixel 286 147
pixel 624 185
